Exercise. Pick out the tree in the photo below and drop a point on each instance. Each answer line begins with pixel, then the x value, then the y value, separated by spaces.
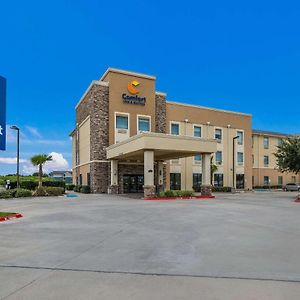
pixel 213 169
pixel 288 155
pixel 39 160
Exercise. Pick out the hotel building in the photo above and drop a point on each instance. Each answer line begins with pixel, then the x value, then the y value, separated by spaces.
pixel 130 138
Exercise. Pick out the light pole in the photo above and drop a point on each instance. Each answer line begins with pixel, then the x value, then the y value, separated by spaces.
pixel 233 162
pixel 14 127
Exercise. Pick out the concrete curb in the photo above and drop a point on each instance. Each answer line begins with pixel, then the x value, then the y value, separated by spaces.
pixel 179 198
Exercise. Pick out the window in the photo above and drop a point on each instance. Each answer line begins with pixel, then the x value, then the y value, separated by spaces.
pixel 197 181
pixel 280 180
pixel 175 129
pixel 122 122
pixel 293 179
pixel 266 160
pixel 175 161
pixel 88 179
pixel 218 134
pixel 218 180
pixel 219 157
pixel 266 180
pixel 143 124
pixel 80 179
pixel 266 142
pixel 198 158
pixel 175 181
pixel 240 139
pixel 240 158
pixel 197 131
pixel 252 159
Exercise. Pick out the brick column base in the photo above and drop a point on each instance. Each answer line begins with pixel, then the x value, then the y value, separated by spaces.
pixel 206 190
pixel 113 189
pixel 149 191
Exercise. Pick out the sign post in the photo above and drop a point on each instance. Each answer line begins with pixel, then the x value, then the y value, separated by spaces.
pixel 2 113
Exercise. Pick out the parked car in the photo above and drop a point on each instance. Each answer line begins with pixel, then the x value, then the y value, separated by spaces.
pixel 291 187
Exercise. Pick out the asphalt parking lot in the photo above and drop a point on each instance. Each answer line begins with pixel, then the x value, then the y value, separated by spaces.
pixel 241 246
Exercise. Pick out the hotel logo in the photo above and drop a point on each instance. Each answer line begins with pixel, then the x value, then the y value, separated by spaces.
pixel 132 89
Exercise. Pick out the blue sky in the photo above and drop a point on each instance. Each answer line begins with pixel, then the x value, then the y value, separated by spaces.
pixel 236 55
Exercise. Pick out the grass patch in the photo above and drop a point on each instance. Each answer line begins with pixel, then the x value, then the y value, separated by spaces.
pixel 6 214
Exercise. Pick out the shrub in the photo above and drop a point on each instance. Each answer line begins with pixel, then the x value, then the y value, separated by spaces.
pixel 6 194
pixel 70 187
pixel 222 189
pixel 77 188
pixel 32 185
pixel 169 194
pixel 22 193
pixel 54 191
pixel 85 189
pixel 186 193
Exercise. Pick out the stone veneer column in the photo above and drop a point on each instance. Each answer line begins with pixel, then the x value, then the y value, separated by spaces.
pixel 114 186
pixel 160 113
pixel 149 187
pixel 95 105
pixel 206 185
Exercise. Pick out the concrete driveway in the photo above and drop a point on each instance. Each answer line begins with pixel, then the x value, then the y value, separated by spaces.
pixel 242 246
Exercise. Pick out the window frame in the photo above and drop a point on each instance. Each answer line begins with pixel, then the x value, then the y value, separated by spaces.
pixel 268 145
pixel 219 162
pixel 266 164
pixel 138 117
pixel 243 136
pixel 122 114
pixel 221 139
pixel 240 163
pixel 174 123
pixel 201 130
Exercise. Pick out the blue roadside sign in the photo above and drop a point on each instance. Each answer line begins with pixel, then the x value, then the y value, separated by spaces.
pixel 2 113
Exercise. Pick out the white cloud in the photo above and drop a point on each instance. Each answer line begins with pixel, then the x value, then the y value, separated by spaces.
pixel 59 163
pixel 10 160
pixel 34 131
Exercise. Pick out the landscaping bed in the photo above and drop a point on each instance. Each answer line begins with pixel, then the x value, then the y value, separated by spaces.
pixel 177 195
pixel 4 216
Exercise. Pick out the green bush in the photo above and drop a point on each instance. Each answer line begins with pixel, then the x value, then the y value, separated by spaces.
pixel 6 194
pixel 77 188
pixel 70 187
pixel 54 191
pixel 22 193
pixel 32 185
pixel 222 189
pixel 172 193
pixel 85 189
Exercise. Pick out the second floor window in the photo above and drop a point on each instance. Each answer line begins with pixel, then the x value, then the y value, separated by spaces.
pixel 144 124
pixel 240 158
pixel 197 131
pixel 218 134
pixel 197 158
pixel 175 129
pixel 219 157
pixel 266 161
pixel 122 122
pixel 266 142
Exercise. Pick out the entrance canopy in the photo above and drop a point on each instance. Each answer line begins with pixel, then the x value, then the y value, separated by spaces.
pixel 164 146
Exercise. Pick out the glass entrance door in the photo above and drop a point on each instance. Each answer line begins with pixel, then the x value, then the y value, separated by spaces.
pixel 133 183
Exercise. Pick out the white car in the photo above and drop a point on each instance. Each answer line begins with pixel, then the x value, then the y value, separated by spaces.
pixel 291 187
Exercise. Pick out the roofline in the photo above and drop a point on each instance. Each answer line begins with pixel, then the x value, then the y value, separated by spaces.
pixel 270 133
pixel 209 108
pixel 97 82
pixel 114 70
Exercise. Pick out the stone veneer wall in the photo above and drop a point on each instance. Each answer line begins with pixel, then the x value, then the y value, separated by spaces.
pixel 95 105
pixel 160 113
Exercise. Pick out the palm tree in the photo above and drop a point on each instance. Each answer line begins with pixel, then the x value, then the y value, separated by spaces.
pixel 39 160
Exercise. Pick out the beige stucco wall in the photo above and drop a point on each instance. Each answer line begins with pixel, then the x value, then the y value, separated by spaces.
pixel 259 170
pixel 117 86
pixel 187 116
pixel 84 141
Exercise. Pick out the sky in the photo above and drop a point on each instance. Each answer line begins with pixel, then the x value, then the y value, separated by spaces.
pixel 235 55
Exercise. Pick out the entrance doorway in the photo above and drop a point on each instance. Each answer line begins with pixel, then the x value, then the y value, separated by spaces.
pixel 240 181
pixel 133 183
